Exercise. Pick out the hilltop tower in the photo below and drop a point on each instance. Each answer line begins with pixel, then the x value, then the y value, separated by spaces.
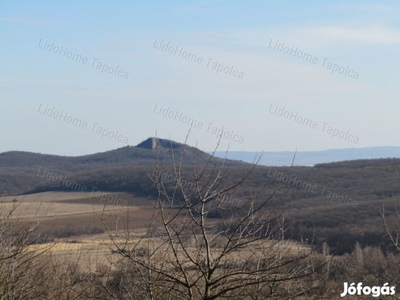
pixel 150 143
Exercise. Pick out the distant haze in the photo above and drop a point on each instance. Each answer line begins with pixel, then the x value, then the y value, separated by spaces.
pixel 310 158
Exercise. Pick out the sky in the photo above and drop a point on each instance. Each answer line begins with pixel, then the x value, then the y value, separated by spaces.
pixel 81 77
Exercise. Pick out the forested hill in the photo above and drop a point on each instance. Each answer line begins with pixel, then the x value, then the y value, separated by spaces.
pixel 142 154
pixel 20 171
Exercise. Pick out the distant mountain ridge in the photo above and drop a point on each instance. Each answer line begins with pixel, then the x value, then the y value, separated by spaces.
pixel 311 158
pixel 122 168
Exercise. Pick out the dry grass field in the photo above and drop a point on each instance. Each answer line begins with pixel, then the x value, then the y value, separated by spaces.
pixel 54 211
pixel 95 255
pixel 60 210
pixel 76 214
pixel 89 252
pixel 92 252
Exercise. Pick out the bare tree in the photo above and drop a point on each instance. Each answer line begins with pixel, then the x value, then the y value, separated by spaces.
pixel 389 268
pixel 204 243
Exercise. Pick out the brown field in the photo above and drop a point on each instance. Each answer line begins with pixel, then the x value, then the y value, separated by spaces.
pixel 97 254
pixel 58 210
pixel 92 252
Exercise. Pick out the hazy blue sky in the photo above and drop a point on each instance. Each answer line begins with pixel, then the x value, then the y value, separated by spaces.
pixel 74 73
